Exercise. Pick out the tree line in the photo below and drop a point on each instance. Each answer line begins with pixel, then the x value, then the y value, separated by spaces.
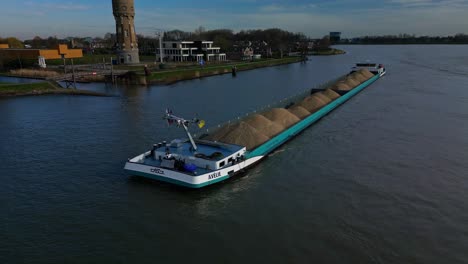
pixel 408 39
pixel 277 39
pixel 12 42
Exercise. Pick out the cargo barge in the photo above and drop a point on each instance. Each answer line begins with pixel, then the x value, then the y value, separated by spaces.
pixel 220 153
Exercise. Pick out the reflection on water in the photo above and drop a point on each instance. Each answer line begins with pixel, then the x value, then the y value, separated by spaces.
pixel 386 167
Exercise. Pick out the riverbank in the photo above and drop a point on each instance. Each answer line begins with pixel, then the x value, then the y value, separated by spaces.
pixel 172 76
pixel 40 88
pixel 328 52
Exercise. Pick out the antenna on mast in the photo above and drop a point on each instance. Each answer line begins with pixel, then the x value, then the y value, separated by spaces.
pixel 179 121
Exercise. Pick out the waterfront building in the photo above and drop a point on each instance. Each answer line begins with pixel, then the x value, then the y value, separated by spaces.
pixel 61 52
pixel 335 37
pixel 248 50
pixel 180 51
pixel 126 40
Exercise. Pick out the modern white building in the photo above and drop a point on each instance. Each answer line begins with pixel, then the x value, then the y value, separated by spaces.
pixel 181 51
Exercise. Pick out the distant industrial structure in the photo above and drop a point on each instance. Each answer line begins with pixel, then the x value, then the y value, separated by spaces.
pixel 126 40
pixel 335 37
pixel 180 51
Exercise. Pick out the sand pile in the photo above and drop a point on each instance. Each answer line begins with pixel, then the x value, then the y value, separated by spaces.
pixel 282 117
pixel 257 129
pixel 244 135
pixel 359 77
pixel 299 111
pixel 264 125
pixel 312 104
pixel 332 95
pixel 366 73
pixel 220 133
pixel 351 82
pixel 340 86
pixel 322 97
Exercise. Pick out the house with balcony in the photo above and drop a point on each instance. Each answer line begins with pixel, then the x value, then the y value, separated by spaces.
pixel 181 51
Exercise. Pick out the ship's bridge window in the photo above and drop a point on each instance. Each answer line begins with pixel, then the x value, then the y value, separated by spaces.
pixel 222 163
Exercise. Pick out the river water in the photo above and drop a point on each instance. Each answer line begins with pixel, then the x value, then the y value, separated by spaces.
pixel 382 179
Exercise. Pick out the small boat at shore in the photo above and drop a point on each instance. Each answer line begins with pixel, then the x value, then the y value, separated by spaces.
pixel 219 154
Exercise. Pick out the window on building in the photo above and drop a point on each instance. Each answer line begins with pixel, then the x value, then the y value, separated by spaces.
pixel 174 45
pixel 126 33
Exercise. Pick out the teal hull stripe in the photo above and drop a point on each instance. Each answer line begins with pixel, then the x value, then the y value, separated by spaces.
pixel 177 182
pixel 297 128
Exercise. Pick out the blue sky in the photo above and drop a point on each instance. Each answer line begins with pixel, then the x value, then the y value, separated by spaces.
pixel 25 19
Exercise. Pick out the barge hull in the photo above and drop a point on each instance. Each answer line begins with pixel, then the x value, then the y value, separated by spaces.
pixel 252 157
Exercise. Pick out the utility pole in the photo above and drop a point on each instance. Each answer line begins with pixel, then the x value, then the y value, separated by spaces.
pixel 19 59
pixel 64 64
pixel 73 74
pixel 160 35
pixel 112 70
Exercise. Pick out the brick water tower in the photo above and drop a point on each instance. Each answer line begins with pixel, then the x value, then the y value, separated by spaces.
pixel 126 40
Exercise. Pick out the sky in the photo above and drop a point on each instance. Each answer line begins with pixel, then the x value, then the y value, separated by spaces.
pixel 83 18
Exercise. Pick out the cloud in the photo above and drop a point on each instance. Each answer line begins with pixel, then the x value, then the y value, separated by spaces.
pixel 272 8
pixel 276 8
pixel 429 3
pixel 61 6
pixel 353 18
pixel 70 7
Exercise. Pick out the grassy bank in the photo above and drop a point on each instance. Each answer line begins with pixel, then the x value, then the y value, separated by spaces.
pixel 174 72
pixel 171 76
pixel 41 88
pixel 32 73
pixel 328 52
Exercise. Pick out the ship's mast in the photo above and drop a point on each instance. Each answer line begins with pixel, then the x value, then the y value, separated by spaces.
pixel 194 146
pixel 179 121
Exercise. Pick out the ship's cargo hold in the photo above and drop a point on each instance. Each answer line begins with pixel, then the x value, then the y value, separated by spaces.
pixel 312 104
pixel 340 87
pixel 366 73
pixel 282 117
pixel 351 82
pixel 322 97
pixel 219 133
pixel 265 125
pixel 359 77
pixel 243 134
pixel 332 95
pixel 299 111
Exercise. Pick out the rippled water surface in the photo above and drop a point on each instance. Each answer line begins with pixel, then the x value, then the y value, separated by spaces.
pixel 382 179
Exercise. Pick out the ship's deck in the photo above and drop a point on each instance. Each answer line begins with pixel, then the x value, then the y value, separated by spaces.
pixel 183 151
pixel 151 161
pixel 206 148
